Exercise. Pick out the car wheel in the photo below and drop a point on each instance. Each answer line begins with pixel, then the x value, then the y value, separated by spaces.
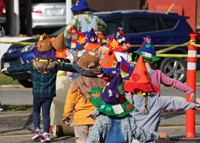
pixel 26 83
pixel 174 68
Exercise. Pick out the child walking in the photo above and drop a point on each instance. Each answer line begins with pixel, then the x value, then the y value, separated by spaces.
pixel 148 53
pixel 77 98
pixel 148 104
pixel 44 69
pixel 115 124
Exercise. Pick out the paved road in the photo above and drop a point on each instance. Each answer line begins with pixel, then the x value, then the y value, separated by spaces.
pixel 17 127
pixel 18 95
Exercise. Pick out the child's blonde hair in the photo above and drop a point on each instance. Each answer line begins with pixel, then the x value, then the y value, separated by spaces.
pixel 43 65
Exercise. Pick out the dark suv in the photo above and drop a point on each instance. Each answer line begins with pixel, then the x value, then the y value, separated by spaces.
pixel 164 29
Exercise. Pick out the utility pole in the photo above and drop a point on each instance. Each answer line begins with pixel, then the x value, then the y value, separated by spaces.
pixel 68 11
pixel 12 10
pixel 29 17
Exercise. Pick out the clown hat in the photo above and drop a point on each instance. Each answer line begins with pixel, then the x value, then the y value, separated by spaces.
pixel 140 79
pixel 109 63
pixel 44 48
pixel 77 39
pixel 111 100
pixel 92 40
pixel 80 5
pixel 118 42
pixel 147 50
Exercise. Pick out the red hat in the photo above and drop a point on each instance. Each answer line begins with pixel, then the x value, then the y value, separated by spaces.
pixel 77 39
pixel 92 41
pixel 140 79
pixel 118 42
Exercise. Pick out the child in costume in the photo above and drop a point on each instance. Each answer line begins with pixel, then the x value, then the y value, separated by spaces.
pixel 147 103
pixel 62 86
pixel 44 69
pixel 115 124
pixel 77 98
pixel 157 76
pixel 117 51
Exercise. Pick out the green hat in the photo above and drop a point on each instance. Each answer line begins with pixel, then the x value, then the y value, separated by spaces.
pixel 111 100
pixel 147 50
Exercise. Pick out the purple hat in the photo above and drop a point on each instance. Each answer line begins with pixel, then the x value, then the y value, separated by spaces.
pixel 111 100
pixel 126 69
pixel 44 48
pixel 45 54
pixel 80 5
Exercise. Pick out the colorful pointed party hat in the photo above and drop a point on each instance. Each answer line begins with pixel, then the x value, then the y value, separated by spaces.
pixel 109 63
pixel 77 39
pixel 140 79
pixel 118 41
pixel 147 50
pixel 126 69
pixel 92 41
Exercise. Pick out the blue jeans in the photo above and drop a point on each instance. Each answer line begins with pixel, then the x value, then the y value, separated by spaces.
pixel 45 103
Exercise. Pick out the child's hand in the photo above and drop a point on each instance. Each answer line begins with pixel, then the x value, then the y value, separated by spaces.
pixel 192 97
pixel 91 116
pixel 3 69
pixel 163 135
pixel 66 120
pixel 197 107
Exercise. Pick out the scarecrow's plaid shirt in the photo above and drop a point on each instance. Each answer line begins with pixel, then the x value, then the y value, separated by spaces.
pixel 43 84
pixel 129 128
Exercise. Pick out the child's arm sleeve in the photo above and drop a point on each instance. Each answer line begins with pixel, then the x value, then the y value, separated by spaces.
pixel 175 104
pixel 69 103
pixel 24 67
pixel 67 67
pixel 175 84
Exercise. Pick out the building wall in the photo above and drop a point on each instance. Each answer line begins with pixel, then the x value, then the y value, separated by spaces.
pixel 198 15
pixel 182 7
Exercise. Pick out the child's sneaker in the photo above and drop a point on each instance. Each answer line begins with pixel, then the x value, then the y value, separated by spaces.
pixel 45 137
pixel 36 134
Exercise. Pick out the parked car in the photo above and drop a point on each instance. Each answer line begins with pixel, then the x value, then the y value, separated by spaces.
pixel 48 13
pixel 2 11
pixel 163 29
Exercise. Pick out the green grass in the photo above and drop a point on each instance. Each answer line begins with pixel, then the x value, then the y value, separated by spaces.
pixel 17 107
pixel 198 76
pixel 5 80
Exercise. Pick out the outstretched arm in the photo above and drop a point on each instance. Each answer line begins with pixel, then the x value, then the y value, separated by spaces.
pixel 168 104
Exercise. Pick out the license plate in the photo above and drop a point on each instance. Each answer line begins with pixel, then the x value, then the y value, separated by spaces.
pixel 6 65
pixel 54 11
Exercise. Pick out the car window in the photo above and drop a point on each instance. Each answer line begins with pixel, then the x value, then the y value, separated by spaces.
pixel 142 24
pixel 57 32
pixel 113 25
pixel 169 22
